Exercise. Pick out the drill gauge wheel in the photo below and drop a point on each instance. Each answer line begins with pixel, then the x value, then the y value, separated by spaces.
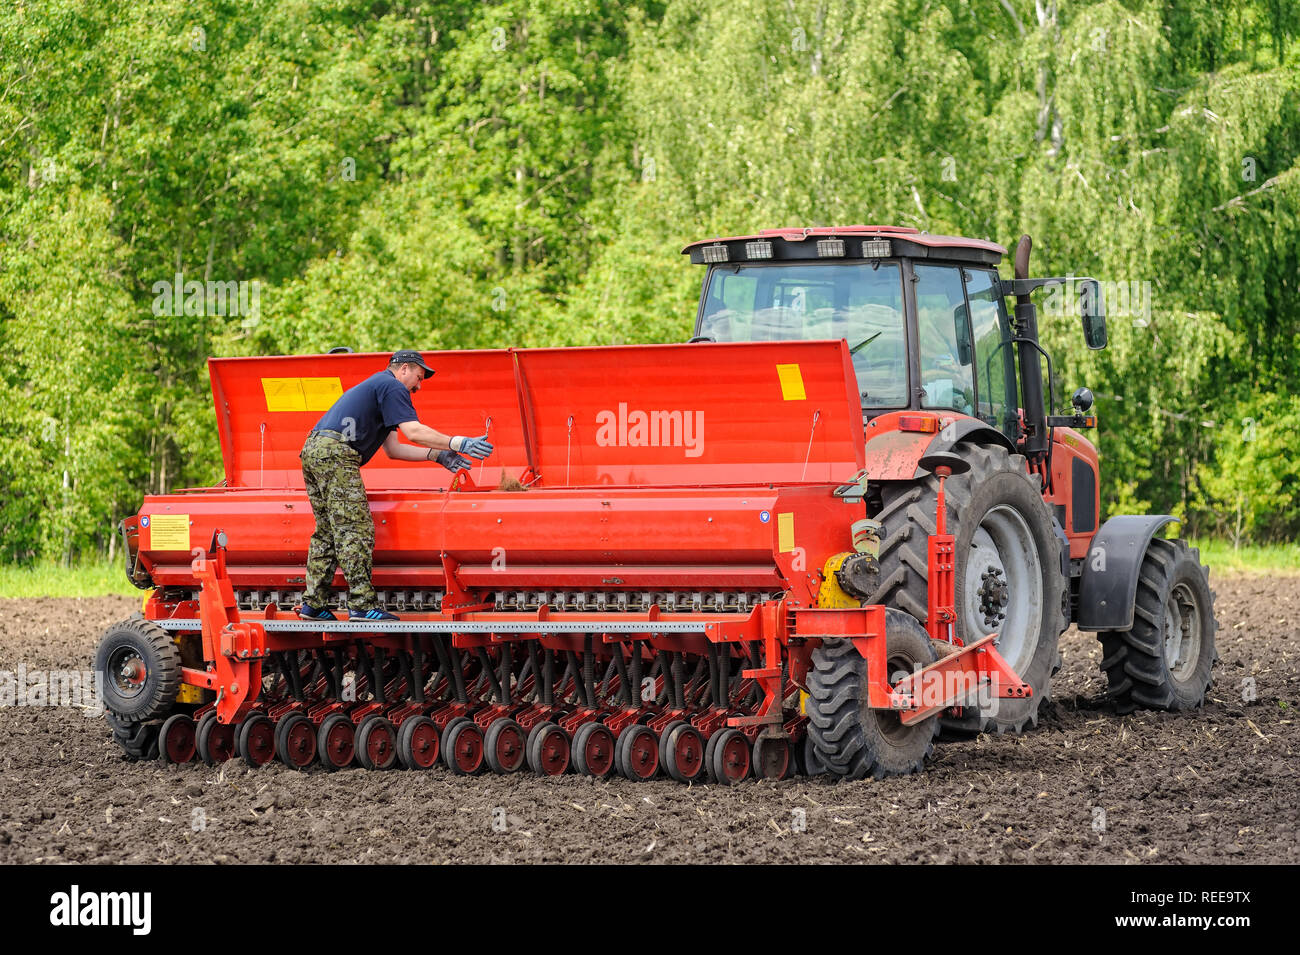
pixel 215 741
pixel 335 742
pixel 549 750
pixel 417 743
pixel 176 739
pixel 295 741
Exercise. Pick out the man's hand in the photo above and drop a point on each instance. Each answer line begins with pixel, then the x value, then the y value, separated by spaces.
pixel 452 461
pixel 474 447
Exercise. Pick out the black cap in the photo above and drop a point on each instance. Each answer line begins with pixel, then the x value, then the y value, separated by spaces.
pixel 408 355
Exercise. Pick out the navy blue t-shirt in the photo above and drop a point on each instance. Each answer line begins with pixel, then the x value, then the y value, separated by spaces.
pixel 367 413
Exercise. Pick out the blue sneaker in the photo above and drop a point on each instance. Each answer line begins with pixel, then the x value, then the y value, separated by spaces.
pixel 370 615
pixel 308 612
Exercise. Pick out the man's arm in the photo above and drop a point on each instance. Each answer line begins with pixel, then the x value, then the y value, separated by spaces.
pixel 434 440
pixel 422 435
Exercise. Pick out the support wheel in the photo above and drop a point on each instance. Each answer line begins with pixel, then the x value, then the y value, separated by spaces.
pixel 852 739
pixel 813 764
pixel 417 743
pixel 336 740
pixel 214 741
pixel 729 761
pixel 548 750
pixel 376 744
pixel 505 746
pixel 1008 579
pixel 138 740
pixel 593 750
pixel 772 758
pixel 256 739
pixel 683 753
pixel 637 755
pixel 141 669
pixel 176 742
pixel 462 747
pixel 1164 661
pixel 295 741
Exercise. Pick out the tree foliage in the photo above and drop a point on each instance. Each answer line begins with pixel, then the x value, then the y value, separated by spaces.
pixel 441 175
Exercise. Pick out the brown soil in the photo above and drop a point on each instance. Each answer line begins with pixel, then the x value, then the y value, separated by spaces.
pixel 1217 785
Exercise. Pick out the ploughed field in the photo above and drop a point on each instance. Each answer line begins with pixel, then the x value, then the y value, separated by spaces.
pixel 1087 785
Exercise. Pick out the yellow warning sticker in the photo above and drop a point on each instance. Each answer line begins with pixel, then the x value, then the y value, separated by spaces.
pixel 169 532
pixel 321 393
pixel 284 394
pixel 785 532
pixel 791 382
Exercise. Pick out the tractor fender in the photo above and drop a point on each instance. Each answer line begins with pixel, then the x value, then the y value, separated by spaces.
pixel 1110 571
pixel 971 430
pixel 892 454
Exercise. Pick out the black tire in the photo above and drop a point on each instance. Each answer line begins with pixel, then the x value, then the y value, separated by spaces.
pixel 852 740
pixel 693 770
pixel 773 758
pixel 215 741
pixel 140 666
pixel 637 740
pixel 550 751
pixel 810 762
pixel 137 740
pixel 421 754
pixel 608 747
pixel 255 739
pixel 723 770
pixel 376 744
pixel 176 744
pixel 505 746
pixel 339 728
pixel 472 762
pixel 297 752
pixel 996 490
pixel 1137 662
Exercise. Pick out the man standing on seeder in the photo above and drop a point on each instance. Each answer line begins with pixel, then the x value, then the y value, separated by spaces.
pixel 365 418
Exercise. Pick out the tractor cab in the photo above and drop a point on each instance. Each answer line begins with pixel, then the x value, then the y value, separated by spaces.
pixel 924 316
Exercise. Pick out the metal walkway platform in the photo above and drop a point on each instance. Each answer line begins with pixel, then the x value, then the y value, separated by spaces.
pixel 178 624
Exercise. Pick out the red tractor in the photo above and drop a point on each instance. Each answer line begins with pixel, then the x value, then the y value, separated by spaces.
pixel 838 522
pixel 942 365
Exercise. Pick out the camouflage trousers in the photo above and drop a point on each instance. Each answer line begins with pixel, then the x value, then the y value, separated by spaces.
pixel 345 531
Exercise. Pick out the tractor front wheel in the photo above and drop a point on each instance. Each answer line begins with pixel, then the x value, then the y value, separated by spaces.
pixel 851 739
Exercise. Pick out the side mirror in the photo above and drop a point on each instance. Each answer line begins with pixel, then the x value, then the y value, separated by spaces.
pixel 961 324
pixel 1092 306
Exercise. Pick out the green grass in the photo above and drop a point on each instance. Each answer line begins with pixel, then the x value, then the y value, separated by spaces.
pixel 1254 559
pixel 103 579
pixel 54 580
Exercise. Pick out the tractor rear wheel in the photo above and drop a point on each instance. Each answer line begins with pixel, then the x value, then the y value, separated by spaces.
pixel 1009 578
pixel 852 739
pixel 1164 661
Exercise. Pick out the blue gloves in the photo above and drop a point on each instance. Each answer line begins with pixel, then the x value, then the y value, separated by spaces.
pixel 452 461
pixel 474 447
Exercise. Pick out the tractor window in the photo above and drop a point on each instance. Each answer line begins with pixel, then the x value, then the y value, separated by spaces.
pixel 859 302
pixel 994 354
pixel 947 376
